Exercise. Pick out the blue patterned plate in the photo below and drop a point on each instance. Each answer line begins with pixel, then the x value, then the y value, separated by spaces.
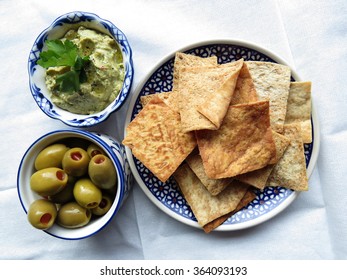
pixel 167 196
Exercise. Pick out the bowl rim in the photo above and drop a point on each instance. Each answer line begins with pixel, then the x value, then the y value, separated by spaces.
pixel 41 98
pixel 91 136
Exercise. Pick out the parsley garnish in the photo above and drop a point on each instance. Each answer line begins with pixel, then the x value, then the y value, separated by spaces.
pixel 65 53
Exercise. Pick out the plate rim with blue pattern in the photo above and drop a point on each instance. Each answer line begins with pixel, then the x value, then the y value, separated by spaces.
pixel 167 196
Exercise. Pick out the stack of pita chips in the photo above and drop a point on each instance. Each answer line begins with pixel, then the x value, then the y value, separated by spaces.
pixel 224 131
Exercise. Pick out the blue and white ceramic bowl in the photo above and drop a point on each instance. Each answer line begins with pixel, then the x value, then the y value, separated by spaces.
pixel 112 148
pixel 37 74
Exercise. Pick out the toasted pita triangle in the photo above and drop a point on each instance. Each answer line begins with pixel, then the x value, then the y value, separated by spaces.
pixel 214 186
pixel 189 60
pixel 205 206
pixel 272 83
pixel 166 96
pixel 259 177
pixel 245 91
pixel 181 60
pixel 299 108
pixel 156 139
pixel 242 144
pixel 247 198
pixel 205 93
pixel 216 103
pixel 290 171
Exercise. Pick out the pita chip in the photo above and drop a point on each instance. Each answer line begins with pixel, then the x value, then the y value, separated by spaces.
pixel 242 144
pixel 214 186
pixel 205 206
pixel 156 139
pixel 189 60
pixel 181 60
pixel 205 94
pixel 299 108
pixel 290 171
pixel 245 91
pixel 259 177
pixel 166 96
pixel 272 83
pixel 247 198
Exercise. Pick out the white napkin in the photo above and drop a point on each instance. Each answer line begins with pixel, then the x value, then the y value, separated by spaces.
pixel 310 35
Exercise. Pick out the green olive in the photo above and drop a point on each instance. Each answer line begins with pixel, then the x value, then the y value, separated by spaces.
pixel 75 162
pixel 50 156
pixel 42 214
pixel 103 207
pixel 102 172
pixel 86 193
pixel 66 194
pixel 73 215
pixel 94 150
pixel 48 181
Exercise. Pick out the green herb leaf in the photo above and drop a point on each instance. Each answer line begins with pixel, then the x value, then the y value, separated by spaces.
pixel 80 62
pixel 65 53
pixel 83 76
pixel 59 53
pixel 68 82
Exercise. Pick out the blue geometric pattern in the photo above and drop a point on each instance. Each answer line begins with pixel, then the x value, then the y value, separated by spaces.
pixel 40 93
pixel 128 177
pixel 168 193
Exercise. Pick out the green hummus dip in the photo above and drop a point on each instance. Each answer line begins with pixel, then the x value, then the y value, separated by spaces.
pixel 105 73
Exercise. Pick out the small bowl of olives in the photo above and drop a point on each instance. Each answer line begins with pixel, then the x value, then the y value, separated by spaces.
pixel 71 183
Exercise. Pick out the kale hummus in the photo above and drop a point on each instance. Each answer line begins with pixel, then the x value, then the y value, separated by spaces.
pixel 104 73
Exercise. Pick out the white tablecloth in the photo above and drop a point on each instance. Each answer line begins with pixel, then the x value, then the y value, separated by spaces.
pixel 310 35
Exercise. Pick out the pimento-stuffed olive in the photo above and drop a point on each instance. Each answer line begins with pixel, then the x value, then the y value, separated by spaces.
pixel 48 181
pixel 75 162
pixel 94 150
pixel 73 215
pixel 103 207
pixel 102 172
pixel 86 193
pixel 42 214
pixel 51 156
